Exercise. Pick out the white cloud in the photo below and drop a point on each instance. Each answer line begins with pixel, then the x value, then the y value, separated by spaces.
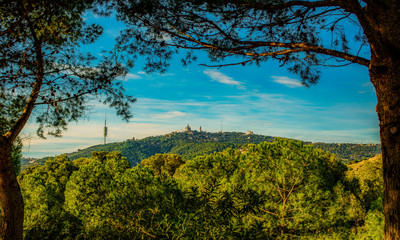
pixel 131 76
pixel 221 78
pixel 288 82
pixel 154 74
pixel 263 113
pixel 170 114
pixel 165 74
pixel 167 104
pixel 367 88
pixel 162 36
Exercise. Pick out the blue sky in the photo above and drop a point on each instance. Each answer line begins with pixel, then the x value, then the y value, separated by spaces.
pixel 266 100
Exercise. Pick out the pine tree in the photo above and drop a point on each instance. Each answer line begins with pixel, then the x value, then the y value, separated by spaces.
pixel 43 74
pixel 291 32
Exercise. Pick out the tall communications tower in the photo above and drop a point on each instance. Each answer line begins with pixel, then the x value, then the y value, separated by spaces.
pixel 105 129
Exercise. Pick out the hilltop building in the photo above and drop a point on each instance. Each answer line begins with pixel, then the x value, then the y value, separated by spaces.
pixel 189 129
pixel 249 133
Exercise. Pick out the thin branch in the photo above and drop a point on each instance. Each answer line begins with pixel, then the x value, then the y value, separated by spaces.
pixel 243 63
pixel 247 45
pixel 65 99
pixel 339 19
pixel 288 48
pixel 288 4
pixel 30 105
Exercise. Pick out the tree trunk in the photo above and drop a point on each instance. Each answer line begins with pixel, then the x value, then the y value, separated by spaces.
pixel 382 28
pixel 385 75
pixel 11 203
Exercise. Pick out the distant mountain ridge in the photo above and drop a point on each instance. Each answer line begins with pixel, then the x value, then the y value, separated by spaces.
pixel 190 144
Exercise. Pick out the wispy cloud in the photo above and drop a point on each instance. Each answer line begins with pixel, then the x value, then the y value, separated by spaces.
pixel 164 74
pixel 221 78
pixel 268 114
pixel 154 74
pixel 170 114
pixel 287 81
pixel 131 76
pixel 367 88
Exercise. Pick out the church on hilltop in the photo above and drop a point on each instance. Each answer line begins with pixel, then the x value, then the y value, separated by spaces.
pixel 189 129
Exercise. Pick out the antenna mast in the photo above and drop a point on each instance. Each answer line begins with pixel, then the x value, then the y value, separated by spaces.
pixel 105 128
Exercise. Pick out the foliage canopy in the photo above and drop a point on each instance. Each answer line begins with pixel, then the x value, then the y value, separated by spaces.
pixel 279 190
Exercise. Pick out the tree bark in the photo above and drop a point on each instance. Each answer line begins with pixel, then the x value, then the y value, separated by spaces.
pixel 385 75
pixel 11 202
pixel 381 24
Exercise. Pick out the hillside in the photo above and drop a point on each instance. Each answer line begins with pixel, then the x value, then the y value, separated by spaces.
pixel 193 143
pixel 188 144
pixel 350 151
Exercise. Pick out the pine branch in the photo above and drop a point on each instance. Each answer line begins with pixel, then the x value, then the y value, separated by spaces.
pixel 30 105
pixel 288 4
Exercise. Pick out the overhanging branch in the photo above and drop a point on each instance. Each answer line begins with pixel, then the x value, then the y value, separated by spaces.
pixel 288 4
pixel 286 48
pixel 252 48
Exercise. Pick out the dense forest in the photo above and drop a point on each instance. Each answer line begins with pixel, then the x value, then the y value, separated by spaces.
pixel 283 189
pixel 193 143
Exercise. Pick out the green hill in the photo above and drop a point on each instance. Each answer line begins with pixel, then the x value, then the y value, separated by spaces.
pixel 349 152
pixel 188 144
pixel 193 143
